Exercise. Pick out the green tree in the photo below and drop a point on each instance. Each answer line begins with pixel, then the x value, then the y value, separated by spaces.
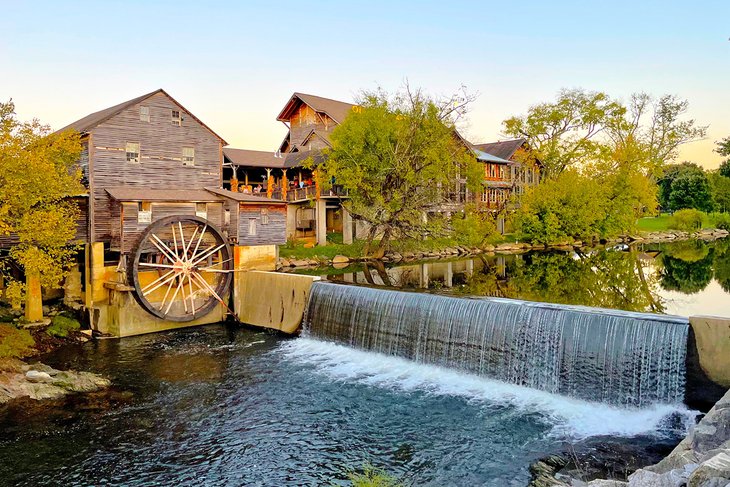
pixel 395 155
pixel 566 207
pixel 724 169
pixel 683 186
pixel 720 186
pixel 564 133
pixel 38 171
pixel 580 126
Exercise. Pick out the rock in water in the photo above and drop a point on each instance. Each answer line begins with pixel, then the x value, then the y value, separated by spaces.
pixel 36 376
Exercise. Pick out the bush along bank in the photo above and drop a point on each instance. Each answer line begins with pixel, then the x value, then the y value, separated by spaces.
pixel 21 342
pixel 516 247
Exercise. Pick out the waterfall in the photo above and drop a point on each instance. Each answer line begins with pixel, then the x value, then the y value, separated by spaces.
pixel 616 357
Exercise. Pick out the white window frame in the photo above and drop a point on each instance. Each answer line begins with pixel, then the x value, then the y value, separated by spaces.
pixel 188 156
pixel 252 227
pixel 144 212
pixel 144 113
pixel 264 216
pixel 133 148
pixel 176 119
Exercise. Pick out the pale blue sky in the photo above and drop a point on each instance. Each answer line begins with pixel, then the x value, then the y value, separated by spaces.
pixel 235 64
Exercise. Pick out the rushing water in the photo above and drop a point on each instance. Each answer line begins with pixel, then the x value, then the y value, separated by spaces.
pixel 600 355
pixel 219 405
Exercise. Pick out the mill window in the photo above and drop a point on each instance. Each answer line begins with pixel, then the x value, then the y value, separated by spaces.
pixel 201 210
pixel 252 227
pixel 132 152
pixel 144 212
pixel 264 216
pixel 144 114
pixel 176 120
pixel 188 156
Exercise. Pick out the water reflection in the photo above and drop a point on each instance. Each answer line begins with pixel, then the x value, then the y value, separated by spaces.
pixel 647 278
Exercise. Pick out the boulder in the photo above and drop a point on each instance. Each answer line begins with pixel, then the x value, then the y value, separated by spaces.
pixel 299 263
pixel 673 478
pixel 717 467
pixel 340 259
pixel 38 377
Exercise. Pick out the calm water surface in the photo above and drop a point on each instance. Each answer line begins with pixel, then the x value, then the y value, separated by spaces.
pixel 682 278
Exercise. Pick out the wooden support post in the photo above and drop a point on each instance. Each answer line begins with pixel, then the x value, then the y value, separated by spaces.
pixel 33 297
pixel 321 221
pixel 347 233
pixel 284 184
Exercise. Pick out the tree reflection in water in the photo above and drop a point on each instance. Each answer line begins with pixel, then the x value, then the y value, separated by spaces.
pixel 636 278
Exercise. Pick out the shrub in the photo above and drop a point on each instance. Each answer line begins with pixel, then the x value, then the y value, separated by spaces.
pixel 15 343
pixel 473 227
pixel 15 293
pixel 373 477
pixel 61 325
pixel 720 220
pixel 687 220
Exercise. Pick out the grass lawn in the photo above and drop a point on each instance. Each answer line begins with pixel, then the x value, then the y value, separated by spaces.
pixel 661 223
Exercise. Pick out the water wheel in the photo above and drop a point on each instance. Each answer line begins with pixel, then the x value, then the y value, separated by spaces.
pixel 181 268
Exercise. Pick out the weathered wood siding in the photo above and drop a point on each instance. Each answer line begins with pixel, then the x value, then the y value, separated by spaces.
pixel 160 167
pixel 270 233
pixel 84 162
pixel 303 121
pixel 128 228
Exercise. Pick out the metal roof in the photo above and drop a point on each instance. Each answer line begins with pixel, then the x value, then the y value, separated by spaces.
pixel 485 157
pixel 131 193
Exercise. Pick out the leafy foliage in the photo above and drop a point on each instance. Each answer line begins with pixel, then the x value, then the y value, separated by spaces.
pixel 572 205
pixel 473 227
pixel 685 186
pixel 688 220
pixel 38 169
pixel 397 156
pixel 373 477
pixel 14 342
pixel 580 125
pixel 61 325
pixel 720 186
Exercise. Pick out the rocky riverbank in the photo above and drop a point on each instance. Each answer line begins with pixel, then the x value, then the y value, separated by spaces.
pixel 702 459
pixel 341 261
pixel 39 381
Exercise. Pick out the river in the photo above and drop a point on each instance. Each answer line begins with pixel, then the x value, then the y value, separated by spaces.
pixel 226 405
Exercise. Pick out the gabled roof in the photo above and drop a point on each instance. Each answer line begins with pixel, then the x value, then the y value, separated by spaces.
pixel 504 149
pixel 253 158
pixel 90 121
pixel 336 110
pixel 315 133
pixel 295 159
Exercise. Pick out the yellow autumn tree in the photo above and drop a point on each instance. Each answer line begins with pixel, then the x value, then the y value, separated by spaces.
pixel 38 172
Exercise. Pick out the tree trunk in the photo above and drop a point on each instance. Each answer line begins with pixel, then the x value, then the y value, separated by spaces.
pixel 369 241
pixel 33 298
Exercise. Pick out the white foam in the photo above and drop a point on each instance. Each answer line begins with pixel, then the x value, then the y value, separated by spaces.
pixel 571 417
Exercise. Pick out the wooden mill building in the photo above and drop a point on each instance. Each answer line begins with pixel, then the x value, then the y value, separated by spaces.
pixel 150 159
pixel 508 168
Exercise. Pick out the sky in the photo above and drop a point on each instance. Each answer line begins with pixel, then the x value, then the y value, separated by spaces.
pixel 235 64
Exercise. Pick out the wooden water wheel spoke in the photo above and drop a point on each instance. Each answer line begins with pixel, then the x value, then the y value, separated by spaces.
pixel 180 268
